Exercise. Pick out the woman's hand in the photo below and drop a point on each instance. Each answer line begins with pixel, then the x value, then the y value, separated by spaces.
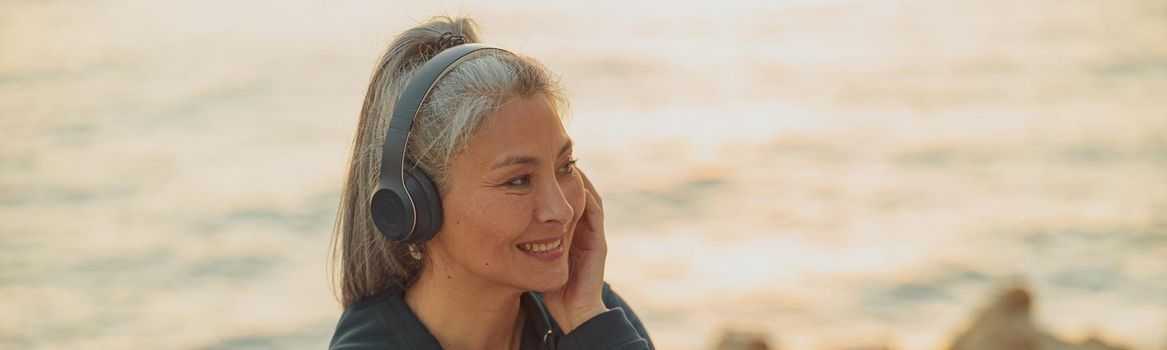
pixel 582 298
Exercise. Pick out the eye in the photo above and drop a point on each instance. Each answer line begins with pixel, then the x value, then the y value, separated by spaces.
pixel 517 181
pixel 569 167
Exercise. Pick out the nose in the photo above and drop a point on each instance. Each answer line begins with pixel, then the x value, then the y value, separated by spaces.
pixel 553 206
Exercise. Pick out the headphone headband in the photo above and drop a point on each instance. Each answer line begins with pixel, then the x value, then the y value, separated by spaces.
pixel 399 220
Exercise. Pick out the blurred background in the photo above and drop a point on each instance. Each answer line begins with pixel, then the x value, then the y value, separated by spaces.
pixel 837 174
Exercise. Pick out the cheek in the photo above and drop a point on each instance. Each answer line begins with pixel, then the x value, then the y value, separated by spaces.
pixel 490 221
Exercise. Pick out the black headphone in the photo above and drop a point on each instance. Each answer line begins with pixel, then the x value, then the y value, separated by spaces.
pixel 406 206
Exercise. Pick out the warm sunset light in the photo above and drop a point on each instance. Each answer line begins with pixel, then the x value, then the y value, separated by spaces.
pixel 800 175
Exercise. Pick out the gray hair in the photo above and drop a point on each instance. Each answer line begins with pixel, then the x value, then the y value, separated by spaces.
pixel 362 261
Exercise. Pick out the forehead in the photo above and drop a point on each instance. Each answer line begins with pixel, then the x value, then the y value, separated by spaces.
pixel 522 126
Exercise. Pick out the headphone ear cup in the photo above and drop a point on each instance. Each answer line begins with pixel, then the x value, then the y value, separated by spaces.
pixel 391 214
pixel 427 202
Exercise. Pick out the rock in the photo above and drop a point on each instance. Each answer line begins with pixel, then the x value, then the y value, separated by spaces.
pixel 731 339
pixel 1007 324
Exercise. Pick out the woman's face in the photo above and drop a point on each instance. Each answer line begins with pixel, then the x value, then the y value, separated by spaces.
pixel 513 201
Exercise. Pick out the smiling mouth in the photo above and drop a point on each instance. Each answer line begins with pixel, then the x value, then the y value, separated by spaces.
pixel 541 248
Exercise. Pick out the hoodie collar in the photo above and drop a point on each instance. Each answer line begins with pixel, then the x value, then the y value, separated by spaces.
pixel 540 330
pixel 544 333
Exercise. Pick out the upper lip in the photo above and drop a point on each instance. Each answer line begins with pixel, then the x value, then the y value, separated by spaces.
pixel 543 241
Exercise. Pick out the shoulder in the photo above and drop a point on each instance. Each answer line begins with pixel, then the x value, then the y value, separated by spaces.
pixel 382 321
pixel 613 300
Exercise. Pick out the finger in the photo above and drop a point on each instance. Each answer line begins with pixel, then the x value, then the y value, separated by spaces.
pixel 585 223
pixel 598 242
pixel 591 188
pixel 586 227
pixel 593 204
pixel 595 218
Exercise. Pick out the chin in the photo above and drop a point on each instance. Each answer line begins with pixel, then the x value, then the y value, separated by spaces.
pixel 546 281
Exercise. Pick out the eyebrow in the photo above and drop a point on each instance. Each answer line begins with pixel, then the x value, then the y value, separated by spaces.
pixel 516 160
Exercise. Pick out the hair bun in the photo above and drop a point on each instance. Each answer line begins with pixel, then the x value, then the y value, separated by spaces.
pixel 449 39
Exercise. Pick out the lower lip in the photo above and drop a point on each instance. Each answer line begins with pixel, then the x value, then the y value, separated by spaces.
pixel 546 256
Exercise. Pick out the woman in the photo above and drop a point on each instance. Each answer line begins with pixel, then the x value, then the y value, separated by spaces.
pixel 518 260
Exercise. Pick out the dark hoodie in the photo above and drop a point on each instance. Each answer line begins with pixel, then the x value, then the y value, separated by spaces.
pixel 383 321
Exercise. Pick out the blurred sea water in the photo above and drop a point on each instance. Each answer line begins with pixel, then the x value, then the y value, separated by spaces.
pixel 836 173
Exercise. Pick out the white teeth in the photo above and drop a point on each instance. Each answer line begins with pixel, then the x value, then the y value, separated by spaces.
pixel 540 248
